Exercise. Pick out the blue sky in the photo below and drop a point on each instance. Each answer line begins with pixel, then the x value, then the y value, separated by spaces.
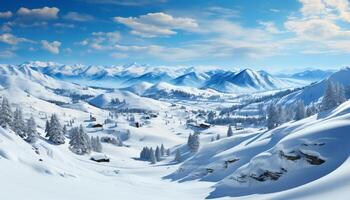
pixel 271 35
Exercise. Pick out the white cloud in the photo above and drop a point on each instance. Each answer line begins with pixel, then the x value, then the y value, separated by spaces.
pixel 7 54
pixel 321 26
pixel 64 25
pixel 157 24
pixel 45 13
pixel 119 55
pixel 79 17
pixel 270 27
pixel 5 15
pixel 101 40
pixel 8 38
pixel 53 47
pixel 126 2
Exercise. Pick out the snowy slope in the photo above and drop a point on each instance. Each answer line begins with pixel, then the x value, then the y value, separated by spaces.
pixel 132 101
pixel 314 92
pixel 298 155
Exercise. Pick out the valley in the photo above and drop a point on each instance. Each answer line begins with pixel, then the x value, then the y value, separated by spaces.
pixel 217 143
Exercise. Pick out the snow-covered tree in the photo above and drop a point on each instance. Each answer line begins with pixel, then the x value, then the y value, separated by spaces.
pixel 211 116
pixel 178 157
pixel 32 133
pixel 55 132
pixel 168 152
pixel 212 139
pixel 6 114
pixel 96 144
pixel 162 150
pixel 80 141
pixel 229 131
pixel 329 99
pixel 300 112
pixel 152 156
pixel 157 154
pixel 47 128
pixel 272 119
pixel 18 124
pixel 193 142
pixel 340 93
pixel 218 137
pixel 311 110
pixel 64 130
pixel 334 95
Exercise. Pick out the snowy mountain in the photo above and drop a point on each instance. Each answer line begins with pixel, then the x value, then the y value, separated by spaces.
pixel 192 79
pixel 246 80
pixel 311 75
pixel 314 92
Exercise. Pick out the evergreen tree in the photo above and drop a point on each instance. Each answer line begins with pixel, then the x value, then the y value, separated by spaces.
pixel 300 111
pixel 212 139
pixel 168 152
pixel 272 119
pixel 80 141
pixel 178 157
pixel 64 130
pixel 152 157
pixel 218 137
pixel 18 124
pixel 330 98
pixel 157 154
pixel 5 113
pixel 47 128
pixel 340 93
pixel 32 133
pixel 229 131
pixel 193 142
pixel 55 133
pixel 96 144
pixel 162 150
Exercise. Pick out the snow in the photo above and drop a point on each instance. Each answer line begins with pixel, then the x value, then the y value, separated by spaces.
pixel 305 159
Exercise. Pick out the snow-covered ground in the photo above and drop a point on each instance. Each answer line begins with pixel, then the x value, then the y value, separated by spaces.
pixel 305 159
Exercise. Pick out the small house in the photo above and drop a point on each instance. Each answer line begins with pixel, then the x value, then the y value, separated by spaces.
pixel 97 126
pixel 99 158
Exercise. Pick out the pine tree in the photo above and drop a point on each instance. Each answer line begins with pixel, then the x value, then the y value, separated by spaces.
pixel 340 93
pixel 272 119
pixel 32 133
pixel 157 154
pixel 218 137
pixel 64 130
pixel 152 156
pixel 178 157
pixel 168 152
pixel 229 131
pixel 80 141
pixel 193 142
pixel 329 98
pixel 6 114
pixel 300 111
pixel 47 128
pixel 162 150
pixel 55 131
pixel 18 124
pixel 212 139
pixel 96 144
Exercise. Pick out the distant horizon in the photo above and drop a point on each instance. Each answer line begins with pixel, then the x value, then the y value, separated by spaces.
pixel 206 67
